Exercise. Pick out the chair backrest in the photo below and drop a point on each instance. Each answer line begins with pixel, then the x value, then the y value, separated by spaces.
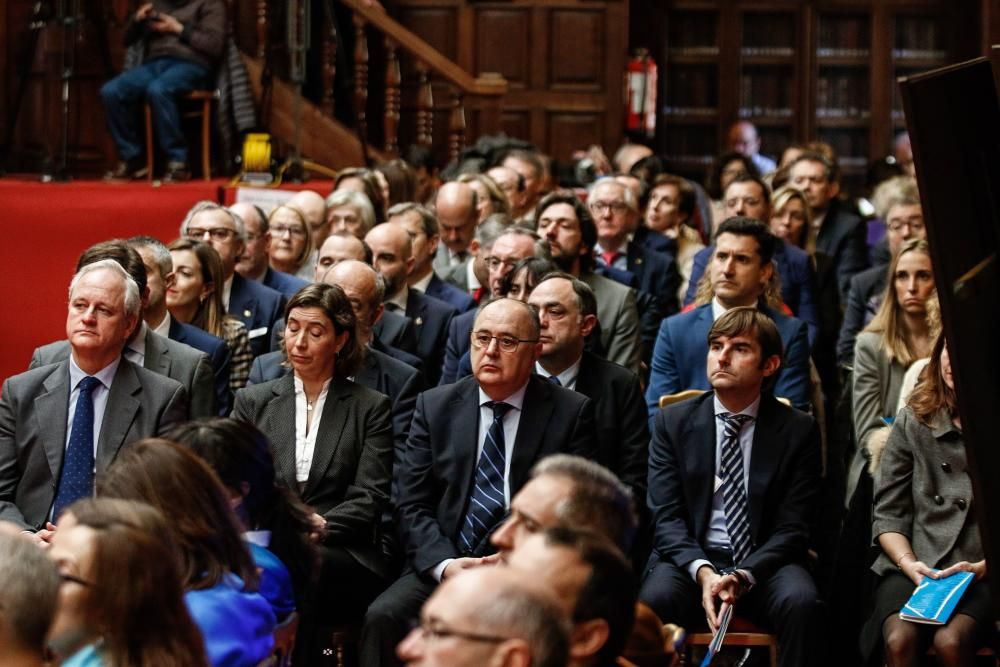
pixel 670 399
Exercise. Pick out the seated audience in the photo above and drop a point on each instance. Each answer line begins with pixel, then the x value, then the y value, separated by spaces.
pixel 291 240
pixel 122 597
pixel 669 212
pixel 400 182
pixel 921 535
pixel 511 184
pixel 29 592
pixel 362 181
pixel 195 298
pixel 530 165
pixel 743 139
pixel 255 264
pixel 217 571
pixel 349 211
pixel 733 479
pixel 490 198
pixel 727 167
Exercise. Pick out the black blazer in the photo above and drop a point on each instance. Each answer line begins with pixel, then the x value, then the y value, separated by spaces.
pixel 656 296
pixel 843 237
pixel 863 300
pixel 396 330
pixel 450 294
pixel 218 353
pixel 458 345
pixel 431 318
pixel 436 478
pixel 622 425
pixel 784 481
pixel 352 465
pixel 258 307
pixel 283 282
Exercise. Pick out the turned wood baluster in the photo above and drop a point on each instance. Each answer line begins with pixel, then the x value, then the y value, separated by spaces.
pixel 262 40
pixel 425 106
pixel 393 80
pixel 360 75
pixel 329 63
pixel 456 125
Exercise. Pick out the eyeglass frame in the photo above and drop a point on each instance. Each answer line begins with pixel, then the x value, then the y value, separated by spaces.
pixel 216 233
pixel 479 345
pixel 431 633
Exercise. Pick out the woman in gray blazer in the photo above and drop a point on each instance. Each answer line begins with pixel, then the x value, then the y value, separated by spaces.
pixel 332 445
pixel 925 521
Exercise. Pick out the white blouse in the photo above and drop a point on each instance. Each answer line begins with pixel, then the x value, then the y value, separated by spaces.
pixel 305 440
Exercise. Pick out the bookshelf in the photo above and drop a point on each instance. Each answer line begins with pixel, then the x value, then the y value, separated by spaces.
pixel 799 70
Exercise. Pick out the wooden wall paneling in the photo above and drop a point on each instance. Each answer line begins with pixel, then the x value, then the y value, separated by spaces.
pixel 502 43
pixel 729 70
pixel 572 68
pixel 615 21
pixel 515 122
pixel 568 132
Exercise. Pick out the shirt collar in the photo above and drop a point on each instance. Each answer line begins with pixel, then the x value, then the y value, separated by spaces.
pixel 750 410
pixel 227 289
pixel 718 310
pixel 622 249
pixel 567 378
pixel 470 276
pixel 400 297
pixel 105 375
pixel 515 400
pixel 423 282
pixel 163 328
pixel 138 342
pixel 300 389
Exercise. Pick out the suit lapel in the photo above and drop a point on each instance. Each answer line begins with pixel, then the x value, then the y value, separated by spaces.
pixel 279 419
pixel 700 441
pixel 537 409
pixel 157 357
pixel 241 304
pixel 368 376
pixel 51 416
pixel 122 407
pixel 331 426
pixel 465 435
pixel 586 380
pixel 764 459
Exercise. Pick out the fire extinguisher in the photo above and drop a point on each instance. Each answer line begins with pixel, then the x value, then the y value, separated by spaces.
pixel 640 94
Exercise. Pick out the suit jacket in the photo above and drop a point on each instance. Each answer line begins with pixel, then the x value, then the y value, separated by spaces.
pixel 258 307
pixel 619 317
pixel 219 354
pixel 430 323
pixel 622 429
pixel 436 479
pixel 448 293
pixel 783 482
pixel 798 282
pixel 442 261
pixel 863 299
pixel 656 297
pixel 458 345
pixel 33 419
pixel 352 464
pixel 396 330
pixel 174 360
pixel 283 282
pixel 458 276
pixel 843 237
pixel 679 360
pixel 655 241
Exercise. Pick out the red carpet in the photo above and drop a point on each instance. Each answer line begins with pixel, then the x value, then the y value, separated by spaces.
pixel 49 225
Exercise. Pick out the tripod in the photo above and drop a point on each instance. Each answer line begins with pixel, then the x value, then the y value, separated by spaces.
pixel 70 16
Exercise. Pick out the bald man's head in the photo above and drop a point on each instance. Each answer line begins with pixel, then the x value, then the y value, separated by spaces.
pixel 313 207
pixel 457 216
pixel 365 290
pixel 337 248
pixel 392 254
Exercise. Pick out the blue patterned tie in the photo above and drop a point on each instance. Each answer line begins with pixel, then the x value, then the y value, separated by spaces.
pixel 734 495
pixel 487 505
pixel 77 477
pixel 554 379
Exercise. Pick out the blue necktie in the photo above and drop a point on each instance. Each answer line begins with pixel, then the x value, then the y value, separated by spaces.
pixel 734 495
pixel 487 505
pixel 554 379
pixel 77 477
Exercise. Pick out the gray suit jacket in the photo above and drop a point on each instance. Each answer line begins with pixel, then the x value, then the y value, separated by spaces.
pixel 177 361
pixel 33 418
pixel 619 317
pixel 923 490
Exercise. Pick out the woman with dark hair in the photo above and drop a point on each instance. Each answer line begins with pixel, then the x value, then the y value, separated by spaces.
pixel 196 298
pixel 925 523
pixel 216 569
pixel 522 279
pixel 669 210
pixel 276 524
pixel 401 180
pixel 727 167
pixel 122 600
pixel 332 445
pixel 364 181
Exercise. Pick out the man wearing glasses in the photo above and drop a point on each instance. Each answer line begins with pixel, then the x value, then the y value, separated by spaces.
pixel 471 447
pixel 257 306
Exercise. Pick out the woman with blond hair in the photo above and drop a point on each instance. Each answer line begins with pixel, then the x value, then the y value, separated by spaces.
pixel 291 241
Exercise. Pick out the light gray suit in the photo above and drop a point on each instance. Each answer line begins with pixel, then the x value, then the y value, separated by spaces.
pixel 457 275
pixel 619 318
pixel 33 418
pixel 442 261
pixel 177 361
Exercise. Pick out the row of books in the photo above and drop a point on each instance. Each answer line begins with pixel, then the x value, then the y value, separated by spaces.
pixel 766 87
pixel 844 32
pixel 847 92
pixel 767 31
pixel 917 33
pixel 692 29
pixel 692 87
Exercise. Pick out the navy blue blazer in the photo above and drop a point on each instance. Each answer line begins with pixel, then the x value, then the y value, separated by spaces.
pixel 431 318
pixel 436 478
pixel 798 282
pixel 450 294
pixel 396 330
pixel 655 241
pixel 656 296
pixel 681 354
pixel 457 347
pixel 283 282
pixel 218 353
pixel 844 237
pixel 258 307
pixel 783 487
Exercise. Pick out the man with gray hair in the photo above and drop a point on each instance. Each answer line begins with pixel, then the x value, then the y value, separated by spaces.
pixel 63 423
pixel 29 592
pixel 257 306
pixel 489 616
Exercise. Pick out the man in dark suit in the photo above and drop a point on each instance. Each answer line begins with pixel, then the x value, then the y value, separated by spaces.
pixel 567 311
pixel 835 230
pixel 257 306
pixel 471 447
pixel 740 270
pixel 733 480
pixel 254 262
pixel 455 205
pixel 62 422
pixel 420 223
pixel 393 258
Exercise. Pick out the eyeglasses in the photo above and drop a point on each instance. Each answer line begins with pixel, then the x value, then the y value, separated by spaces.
pixel 912 225
pixel 481 341
pixel 733 202
pixel 217 233
pixel 602 207
pixel 436 631
pixel 281 230
pixel 495 263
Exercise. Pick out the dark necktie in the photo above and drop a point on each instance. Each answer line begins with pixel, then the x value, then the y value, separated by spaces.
pixel 554 379
pixel 77 477
pixel 487 504
pixel 734 495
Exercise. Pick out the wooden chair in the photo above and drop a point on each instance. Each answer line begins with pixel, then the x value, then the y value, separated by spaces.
pixel 741 633
pixel 203 110
pixel 284 642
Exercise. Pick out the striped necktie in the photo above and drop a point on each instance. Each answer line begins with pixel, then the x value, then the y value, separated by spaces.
pixel 487 505
pixel 734 495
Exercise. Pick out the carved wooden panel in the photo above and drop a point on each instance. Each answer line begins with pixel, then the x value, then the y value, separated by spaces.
pixel 571 131
pixel 503 44
pixel 570 66
pixel 516 123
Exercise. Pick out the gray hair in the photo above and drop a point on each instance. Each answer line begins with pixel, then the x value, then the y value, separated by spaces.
pixel 541 246
pixel 357 200
pixel 29 591
pixel 896 191
pixel 427 217
pixel 628 196
pixel 132 300
pixel 241 230
pixel 599 501
pixel 536 619
pixel 490 229
pixel 161 255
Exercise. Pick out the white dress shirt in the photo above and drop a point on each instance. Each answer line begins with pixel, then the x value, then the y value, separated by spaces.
pixel 399 299
pixel 99 395
pixel 135 351
pixel 423 282
pixel 227 289
pixel 621 261
pixel 305 440
pixel 567 378
pixel 163 328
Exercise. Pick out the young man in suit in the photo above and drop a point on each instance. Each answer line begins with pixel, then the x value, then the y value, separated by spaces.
pixel 733 482
pixel 470 449
pixel 63 423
